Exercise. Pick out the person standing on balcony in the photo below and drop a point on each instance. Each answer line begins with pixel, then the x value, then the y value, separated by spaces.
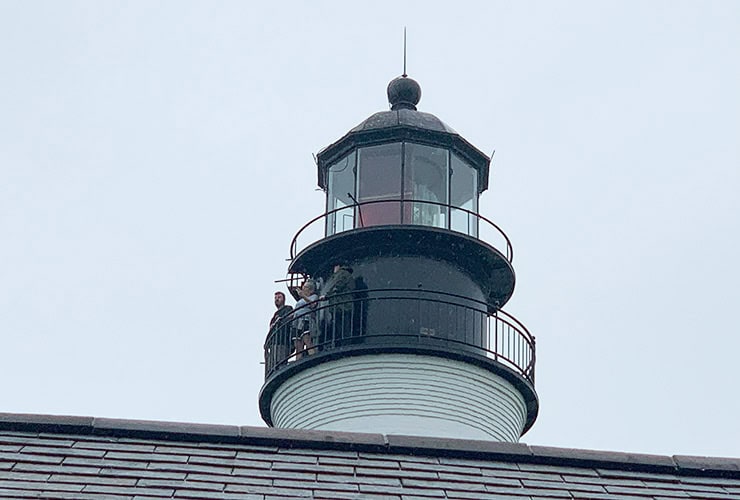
pixel 337 293
pixel 304 319
pixel 279 343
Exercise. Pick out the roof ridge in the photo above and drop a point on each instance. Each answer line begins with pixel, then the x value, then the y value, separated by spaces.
pixel 417 445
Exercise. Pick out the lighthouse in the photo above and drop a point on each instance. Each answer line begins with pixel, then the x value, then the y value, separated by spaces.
pixel 404 330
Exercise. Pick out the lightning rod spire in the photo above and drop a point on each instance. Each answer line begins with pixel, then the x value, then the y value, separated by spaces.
pixel 404 52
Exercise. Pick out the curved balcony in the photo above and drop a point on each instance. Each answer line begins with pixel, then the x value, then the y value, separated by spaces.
pixel 409 320
pixel 401 212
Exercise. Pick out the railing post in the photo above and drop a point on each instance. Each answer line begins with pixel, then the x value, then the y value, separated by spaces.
pixel 333 319
pixel 495 335
pixel 417 326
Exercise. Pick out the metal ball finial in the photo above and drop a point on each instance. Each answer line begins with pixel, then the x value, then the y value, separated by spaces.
pixel 404 93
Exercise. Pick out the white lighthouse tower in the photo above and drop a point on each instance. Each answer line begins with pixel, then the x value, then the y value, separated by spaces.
pixel 408 336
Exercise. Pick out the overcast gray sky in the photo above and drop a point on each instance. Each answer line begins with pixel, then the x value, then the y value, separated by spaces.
pixel 155 162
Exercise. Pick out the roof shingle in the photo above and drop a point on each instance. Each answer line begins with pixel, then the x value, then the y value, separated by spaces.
pixel 52 457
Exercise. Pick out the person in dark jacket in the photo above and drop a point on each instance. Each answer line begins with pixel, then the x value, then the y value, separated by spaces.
pixel 279 339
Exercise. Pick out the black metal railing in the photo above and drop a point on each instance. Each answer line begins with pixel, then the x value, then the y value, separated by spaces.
pixel 406 212
pixel 397 317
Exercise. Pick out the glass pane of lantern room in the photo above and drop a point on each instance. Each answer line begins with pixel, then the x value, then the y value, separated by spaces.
pixel 379 178
pixel 425 182
pixel 341 184
pixel 463 194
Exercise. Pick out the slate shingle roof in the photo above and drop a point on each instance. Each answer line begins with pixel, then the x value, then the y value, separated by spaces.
pixel 84 458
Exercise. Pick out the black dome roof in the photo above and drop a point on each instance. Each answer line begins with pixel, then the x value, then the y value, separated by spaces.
pixel 404 118
pixel 403 122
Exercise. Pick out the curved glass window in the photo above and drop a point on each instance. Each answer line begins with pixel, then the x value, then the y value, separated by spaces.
pixel 379 179
pixel 425 181
pixel 463 194
pixel 341 191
